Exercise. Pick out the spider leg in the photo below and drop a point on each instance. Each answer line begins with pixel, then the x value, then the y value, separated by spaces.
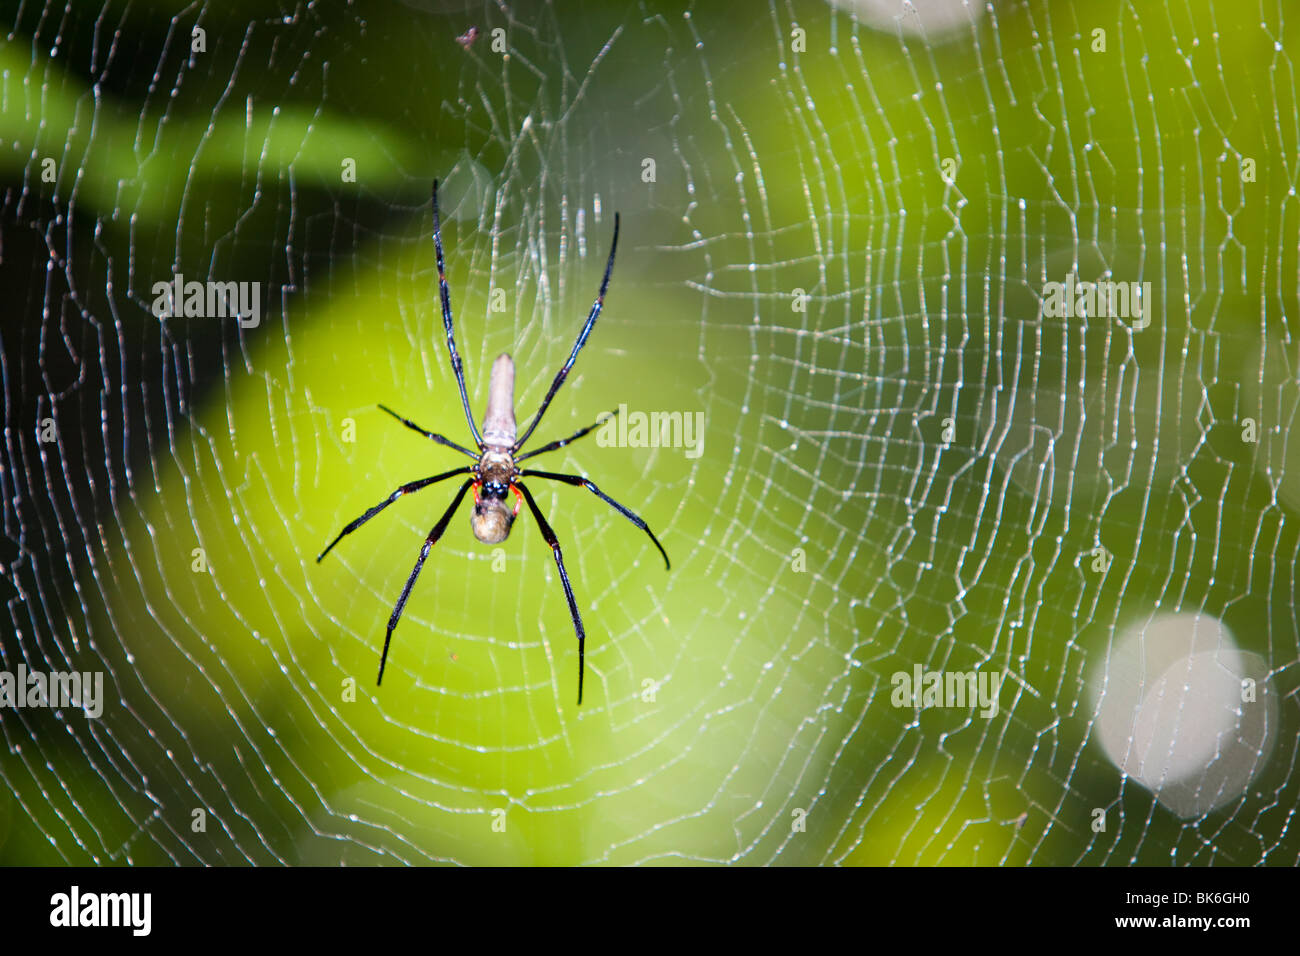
pixel 552 446
pixel 429 542
pixel 433 435
pixel 590 486
pixel 445 296
pixel 404 490
pixel 549 535
pixel 577 347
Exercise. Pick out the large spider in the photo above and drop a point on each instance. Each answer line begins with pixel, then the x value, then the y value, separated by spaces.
pixel 496 472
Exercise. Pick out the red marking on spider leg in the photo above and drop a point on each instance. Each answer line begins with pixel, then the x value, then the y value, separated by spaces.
pixel 474 488
pixel 519 500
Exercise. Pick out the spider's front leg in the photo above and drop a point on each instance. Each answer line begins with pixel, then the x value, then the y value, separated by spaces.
pixel 429 542
pixel 403 490
pixel 549 535
pixel 590 485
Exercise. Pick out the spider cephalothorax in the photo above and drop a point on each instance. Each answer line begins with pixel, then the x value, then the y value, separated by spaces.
pixel 495 473
pixel 492 517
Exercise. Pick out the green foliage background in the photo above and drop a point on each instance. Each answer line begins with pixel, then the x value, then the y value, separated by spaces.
pixel 736 693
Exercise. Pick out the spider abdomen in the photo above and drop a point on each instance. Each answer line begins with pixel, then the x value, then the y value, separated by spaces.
pixel 499 428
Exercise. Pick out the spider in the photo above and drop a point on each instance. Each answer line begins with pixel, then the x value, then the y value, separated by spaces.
pixel 495 473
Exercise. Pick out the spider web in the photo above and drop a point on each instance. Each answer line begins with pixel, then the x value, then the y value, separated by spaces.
pixel 838 226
